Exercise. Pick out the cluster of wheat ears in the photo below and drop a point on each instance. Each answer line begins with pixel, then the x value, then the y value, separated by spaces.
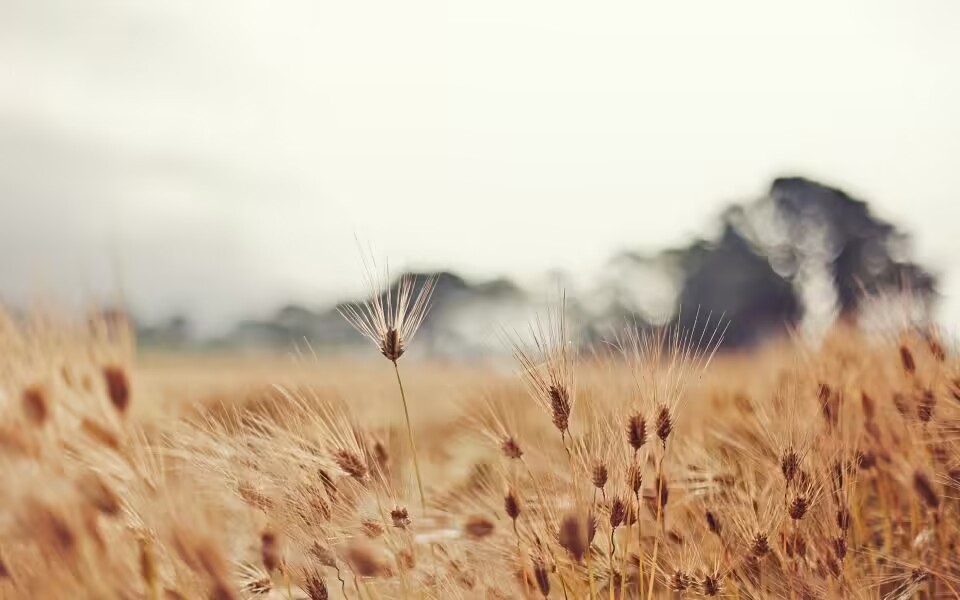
pixel 647 467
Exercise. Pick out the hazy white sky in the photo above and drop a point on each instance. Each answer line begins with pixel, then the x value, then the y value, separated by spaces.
pixel 224 153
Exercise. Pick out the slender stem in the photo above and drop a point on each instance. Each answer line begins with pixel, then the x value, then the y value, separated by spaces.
pixel 656 540
pixel 593 591
pixel 613 551
pixel 626 557
pixel 343 583
pixel 416 462
pixel 640 552
pixel 413 445
pixel 286 581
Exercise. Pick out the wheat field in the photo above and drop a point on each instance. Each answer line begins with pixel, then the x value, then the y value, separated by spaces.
pixel 650 466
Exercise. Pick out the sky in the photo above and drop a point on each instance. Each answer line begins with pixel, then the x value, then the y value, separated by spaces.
pixel 220 157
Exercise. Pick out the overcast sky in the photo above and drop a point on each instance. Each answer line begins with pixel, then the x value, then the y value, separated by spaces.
pixel 222 155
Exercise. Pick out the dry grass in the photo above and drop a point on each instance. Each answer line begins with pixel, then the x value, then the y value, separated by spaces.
pixel 646 471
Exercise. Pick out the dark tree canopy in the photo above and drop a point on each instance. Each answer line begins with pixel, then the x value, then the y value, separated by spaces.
pixel 755 271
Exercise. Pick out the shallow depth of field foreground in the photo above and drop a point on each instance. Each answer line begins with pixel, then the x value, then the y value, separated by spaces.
pixel 646 467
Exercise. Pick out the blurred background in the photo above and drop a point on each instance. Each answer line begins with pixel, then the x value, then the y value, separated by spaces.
pixel 208 166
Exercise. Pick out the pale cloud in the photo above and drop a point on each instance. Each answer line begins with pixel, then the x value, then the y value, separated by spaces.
pixel 224 153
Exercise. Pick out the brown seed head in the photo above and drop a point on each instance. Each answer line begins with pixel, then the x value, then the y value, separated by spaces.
pixel 511 505
pixel 866 460
pixel 664 424
pixel 350 463
pixel 270 550
pixel 713 522
pixel 316 587
pixel 400 517
pixel 36 407
pixel 840 547
pixel 680 581
pixel 478 527
pixel 906 359
pixel 542 576
pixel 798 507
pixel 618 512
pixel 573 537
pixel 711 584
pixel 760 546
pixel 560 407
pixel 636 431
pixel 789 465
pixel 599 475
pixel 511 449
pixel 118 387
pixel 924 488
pixel 391 345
